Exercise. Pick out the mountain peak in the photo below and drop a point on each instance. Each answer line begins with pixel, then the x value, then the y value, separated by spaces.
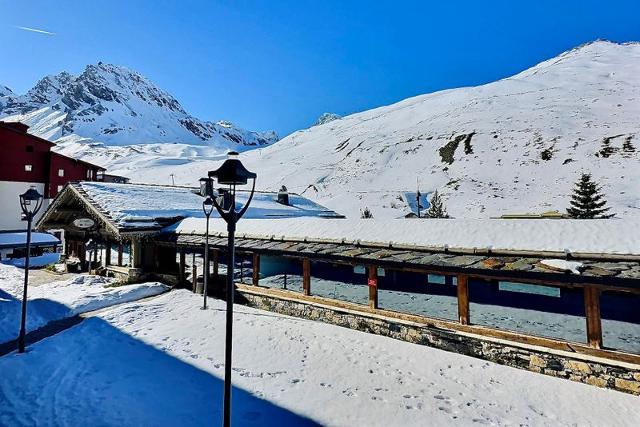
pixel 118 106
pixel 326 118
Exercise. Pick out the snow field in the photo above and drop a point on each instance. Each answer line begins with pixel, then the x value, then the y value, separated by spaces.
pixel 58 300
pixel 164 365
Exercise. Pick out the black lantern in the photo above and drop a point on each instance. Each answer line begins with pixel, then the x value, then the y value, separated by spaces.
pixel 30 202
pixel 232 173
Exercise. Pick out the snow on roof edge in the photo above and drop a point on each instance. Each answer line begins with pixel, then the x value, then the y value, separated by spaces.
pixel 615 237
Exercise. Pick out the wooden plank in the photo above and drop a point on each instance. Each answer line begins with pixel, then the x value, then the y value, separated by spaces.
pixel 373 286
pixel 306 276
pixel 463 299
pixel 592 311
pixel 256 269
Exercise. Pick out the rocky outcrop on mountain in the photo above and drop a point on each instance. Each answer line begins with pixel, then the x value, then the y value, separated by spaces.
pixel 117 106
pixel 326 118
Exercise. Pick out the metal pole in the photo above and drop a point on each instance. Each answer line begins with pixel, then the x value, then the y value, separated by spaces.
pixel 206 265
pixel 23 319
pixel 231 228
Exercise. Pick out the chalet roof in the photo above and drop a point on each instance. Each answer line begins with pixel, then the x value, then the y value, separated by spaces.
pixel 135 208
pixel 488 248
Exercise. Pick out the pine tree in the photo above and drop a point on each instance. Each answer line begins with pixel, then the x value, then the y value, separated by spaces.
pixel 366 213
pixel 586 201
pixel 436 207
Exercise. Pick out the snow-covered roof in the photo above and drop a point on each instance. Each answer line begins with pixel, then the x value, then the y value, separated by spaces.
pixel 19 239
pixel 561 235
pixel 131 206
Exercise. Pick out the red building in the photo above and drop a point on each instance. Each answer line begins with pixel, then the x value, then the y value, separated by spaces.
pixel 27 160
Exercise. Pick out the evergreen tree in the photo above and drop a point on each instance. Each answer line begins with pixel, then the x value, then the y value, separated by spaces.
pixel 366 213
pixel 586 201
pixel 436 207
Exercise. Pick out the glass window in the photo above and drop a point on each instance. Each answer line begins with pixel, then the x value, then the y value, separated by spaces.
pixel 59 188
pixel 545 311
pixel 60 172
pixel 430 295
pixel 28 168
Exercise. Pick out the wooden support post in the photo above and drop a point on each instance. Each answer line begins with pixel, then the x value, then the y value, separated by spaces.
pixel 182 266
pixel 463 299
pixel 107 256
pixel 194 277
pixel 592 311
pixel 256 269
pixel 216 262
pixel 373 286
pixel 306 276
pixel 120 250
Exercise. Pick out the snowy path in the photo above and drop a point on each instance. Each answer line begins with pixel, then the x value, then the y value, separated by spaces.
pixel 160 362
pixel 62 299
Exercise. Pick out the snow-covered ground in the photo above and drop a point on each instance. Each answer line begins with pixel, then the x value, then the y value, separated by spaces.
pixel 58 300
pixel 161 362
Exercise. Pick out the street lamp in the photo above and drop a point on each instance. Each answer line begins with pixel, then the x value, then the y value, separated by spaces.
pixel 30 202
pixel 231 173
pixel 207 208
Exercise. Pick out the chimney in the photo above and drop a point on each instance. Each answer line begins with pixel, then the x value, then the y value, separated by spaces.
pixel 283 196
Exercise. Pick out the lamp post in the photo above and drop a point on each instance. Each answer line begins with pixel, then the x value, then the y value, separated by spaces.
pixel 231 173
pixel 207 208
pixel 30 202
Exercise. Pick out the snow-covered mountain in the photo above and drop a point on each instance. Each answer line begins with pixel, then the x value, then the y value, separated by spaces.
pixel 116 106
pixel 515 145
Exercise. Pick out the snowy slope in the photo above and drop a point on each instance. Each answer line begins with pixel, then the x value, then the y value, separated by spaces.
pixel 117 106
pixel 161 362
pixel 514 145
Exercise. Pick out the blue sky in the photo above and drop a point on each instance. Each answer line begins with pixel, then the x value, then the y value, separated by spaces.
pixel 280 64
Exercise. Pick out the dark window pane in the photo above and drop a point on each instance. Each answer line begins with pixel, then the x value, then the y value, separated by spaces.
pixel 620 314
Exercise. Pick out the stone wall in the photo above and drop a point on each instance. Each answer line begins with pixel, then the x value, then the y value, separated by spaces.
pixel 600 372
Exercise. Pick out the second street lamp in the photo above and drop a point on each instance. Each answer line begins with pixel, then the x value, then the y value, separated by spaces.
pixel 207 208
pixel 231 173
pixel 30 202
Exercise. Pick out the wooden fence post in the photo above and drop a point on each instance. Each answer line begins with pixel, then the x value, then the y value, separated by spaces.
pixel 256 269
pixel 306 276
pixel 194 278
pixel 592 311
pixel 182 266
pixel 216 261
pixel 120 250
pixel 373 286
pixel 107 255
pixel 463 299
